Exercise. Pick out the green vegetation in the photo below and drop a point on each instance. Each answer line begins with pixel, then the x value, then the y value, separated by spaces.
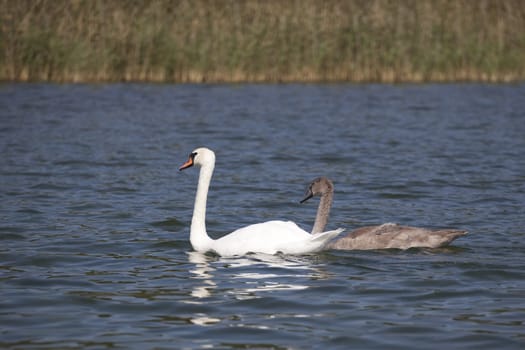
pixel 236 40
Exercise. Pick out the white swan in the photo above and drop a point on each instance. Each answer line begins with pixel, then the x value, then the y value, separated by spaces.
pixel 384 236
pixel 268 237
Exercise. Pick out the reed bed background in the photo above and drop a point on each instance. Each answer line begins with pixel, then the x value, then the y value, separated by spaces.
pixel 236 41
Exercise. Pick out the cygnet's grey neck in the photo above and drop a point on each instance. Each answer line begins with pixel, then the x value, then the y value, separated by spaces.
pixel 323 211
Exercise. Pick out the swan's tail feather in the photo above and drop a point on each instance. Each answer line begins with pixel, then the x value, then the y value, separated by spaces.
pixel 326 236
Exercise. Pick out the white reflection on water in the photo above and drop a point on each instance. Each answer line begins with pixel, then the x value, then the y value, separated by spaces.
pixel 204 320
pixel 271 271
pixel 202 271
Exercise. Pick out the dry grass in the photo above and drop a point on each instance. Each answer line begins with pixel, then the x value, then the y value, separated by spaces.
pixel 236 41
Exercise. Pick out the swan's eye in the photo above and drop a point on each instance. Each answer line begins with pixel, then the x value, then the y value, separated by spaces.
pixel 192 155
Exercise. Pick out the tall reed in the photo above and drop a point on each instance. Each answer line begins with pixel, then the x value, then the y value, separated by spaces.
pixel 288 40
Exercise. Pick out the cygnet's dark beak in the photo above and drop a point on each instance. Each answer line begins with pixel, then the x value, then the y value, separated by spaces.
pixel 307 196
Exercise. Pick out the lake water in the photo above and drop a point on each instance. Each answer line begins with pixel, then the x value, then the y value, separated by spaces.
pixel 94 216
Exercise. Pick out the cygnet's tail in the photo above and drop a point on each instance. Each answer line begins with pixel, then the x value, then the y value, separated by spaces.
pixel 444 237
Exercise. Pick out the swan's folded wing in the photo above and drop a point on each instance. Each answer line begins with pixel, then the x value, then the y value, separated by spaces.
pixel 267 237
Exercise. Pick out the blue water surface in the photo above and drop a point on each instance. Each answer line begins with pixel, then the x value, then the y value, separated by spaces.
pixel 94 216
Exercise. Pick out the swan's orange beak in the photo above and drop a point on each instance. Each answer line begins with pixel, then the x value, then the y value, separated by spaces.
pixel 188 163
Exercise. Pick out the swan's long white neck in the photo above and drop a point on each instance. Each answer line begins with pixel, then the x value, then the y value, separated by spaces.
pixel 199 238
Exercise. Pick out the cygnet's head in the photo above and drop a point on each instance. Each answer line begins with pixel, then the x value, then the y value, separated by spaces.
pixel 318 187
pixel 200 156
